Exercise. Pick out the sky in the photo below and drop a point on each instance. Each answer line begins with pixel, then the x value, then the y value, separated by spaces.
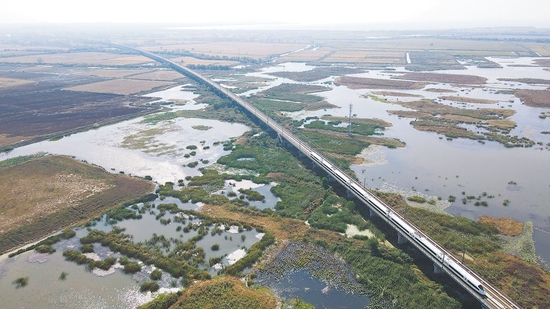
pixel 437 13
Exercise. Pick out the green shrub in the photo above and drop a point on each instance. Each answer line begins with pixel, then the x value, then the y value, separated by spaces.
pixel 131 268
pixel 417 199
pixel 149 286
pixel 156 275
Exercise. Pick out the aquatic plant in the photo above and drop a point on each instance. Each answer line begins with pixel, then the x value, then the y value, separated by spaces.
pixel 21 282
pixel 63 275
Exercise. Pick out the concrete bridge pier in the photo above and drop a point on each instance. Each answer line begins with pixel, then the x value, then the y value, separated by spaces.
pixel 438 270
pixel 401 239
pixel 372 213
pixel 281 140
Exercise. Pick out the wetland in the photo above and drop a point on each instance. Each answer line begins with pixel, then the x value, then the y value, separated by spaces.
pixel 230 203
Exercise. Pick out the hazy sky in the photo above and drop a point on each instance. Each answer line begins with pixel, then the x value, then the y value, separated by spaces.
pixel 463 13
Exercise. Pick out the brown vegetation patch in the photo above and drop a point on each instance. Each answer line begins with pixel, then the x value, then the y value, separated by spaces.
pixel 396 94
pixel 443 78
pixel 315 55
pixel 363 56
pixel 319 106
pixel 440 90
pixel 13 82
pixel 534 98
pixel 45 194
pixel 533 81
pixel 231 48
pixel 34 113
pixel 542 62
pixel 433 108
pixel 468 100
pixel 85 58
pixel 159 75
pixel 282 228
pixel 51 192
pixel 431 60
pixel 409 114
pixel 374 140
pixel 505 226
pixel 524 282
pixel 459 118
pixel 449 130
pixel 121 86
pixel 8 140
pixel 504 124
pixel 317 73
pixel 197 61
pixel 374 83
pixel 370 121
pixel 224 292
pixel 113 73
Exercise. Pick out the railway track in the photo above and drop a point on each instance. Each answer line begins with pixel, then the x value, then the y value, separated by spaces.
pixel 494 298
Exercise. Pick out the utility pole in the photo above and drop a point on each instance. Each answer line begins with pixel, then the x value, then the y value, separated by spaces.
pixel 349 126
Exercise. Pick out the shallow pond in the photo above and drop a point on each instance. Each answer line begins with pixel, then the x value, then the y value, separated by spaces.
pixel 113 288
pixel 80 289
pixel 301 284
pixel 229 239
pixel 270 200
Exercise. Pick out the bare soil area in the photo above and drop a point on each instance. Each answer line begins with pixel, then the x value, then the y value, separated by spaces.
pixel 45 194
pixel 374 83
pixel 443 78
pixel 13 82
pixel 534 98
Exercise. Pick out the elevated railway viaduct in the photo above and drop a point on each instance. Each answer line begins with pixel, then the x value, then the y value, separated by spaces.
pixel 443 260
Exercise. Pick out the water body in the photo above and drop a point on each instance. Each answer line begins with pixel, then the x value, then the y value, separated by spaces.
pixel 81 289
pixel 438 167
pixel 301 284
pixel 113 288
pixel 103 146
pixel 264 189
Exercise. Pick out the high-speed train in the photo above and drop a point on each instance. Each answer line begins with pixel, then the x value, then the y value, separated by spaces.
pixel 405 227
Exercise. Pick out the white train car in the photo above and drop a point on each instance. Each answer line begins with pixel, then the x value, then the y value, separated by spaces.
pixel 430 247
pixel 465 276
pixel 405 226
pixel 344 178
